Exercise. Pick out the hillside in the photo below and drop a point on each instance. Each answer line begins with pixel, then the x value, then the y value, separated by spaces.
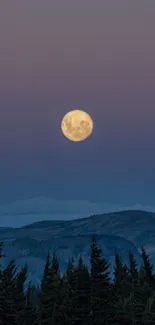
pixel 120 231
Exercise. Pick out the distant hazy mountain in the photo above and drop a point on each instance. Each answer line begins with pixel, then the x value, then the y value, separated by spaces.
pixel 120 231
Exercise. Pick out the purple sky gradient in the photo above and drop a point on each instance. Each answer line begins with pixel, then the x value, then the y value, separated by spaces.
pixel 98 56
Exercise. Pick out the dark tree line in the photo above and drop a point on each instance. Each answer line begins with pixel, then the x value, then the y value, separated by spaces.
pixel 80 296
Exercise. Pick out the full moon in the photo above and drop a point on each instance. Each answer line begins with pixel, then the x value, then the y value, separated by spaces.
pixel 77 125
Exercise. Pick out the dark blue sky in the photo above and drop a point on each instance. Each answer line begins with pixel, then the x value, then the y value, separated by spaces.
pixel 87 55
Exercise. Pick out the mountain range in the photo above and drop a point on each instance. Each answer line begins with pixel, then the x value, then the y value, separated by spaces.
pixel 119 231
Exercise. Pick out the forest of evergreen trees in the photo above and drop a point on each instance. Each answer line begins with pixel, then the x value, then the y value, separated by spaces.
pixel 80 296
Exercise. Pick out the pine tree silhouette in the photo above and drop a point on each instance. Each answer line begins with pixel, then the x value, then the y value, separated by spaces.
pixel 80 296
pixel 100 286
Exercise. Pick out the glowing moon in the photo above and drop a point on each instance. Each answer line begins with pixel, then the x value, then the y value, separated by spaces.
pixel 77 125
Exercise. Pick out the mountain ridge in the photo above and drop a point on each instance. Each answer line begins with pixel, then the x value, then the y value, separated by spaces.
pixel 121 212
pixel 122 231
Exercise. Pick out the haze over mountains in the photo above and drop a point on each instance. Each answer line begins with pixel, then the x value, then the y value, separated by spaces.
pixel 22 212
pixel 119 231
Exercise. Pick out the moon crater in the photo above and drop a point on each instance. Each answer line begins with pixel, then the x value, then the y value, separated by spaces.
pixel 77 125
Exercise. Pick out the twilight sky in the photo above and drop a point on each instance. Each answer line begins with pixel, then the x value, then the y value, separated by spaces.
pixel 56 56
